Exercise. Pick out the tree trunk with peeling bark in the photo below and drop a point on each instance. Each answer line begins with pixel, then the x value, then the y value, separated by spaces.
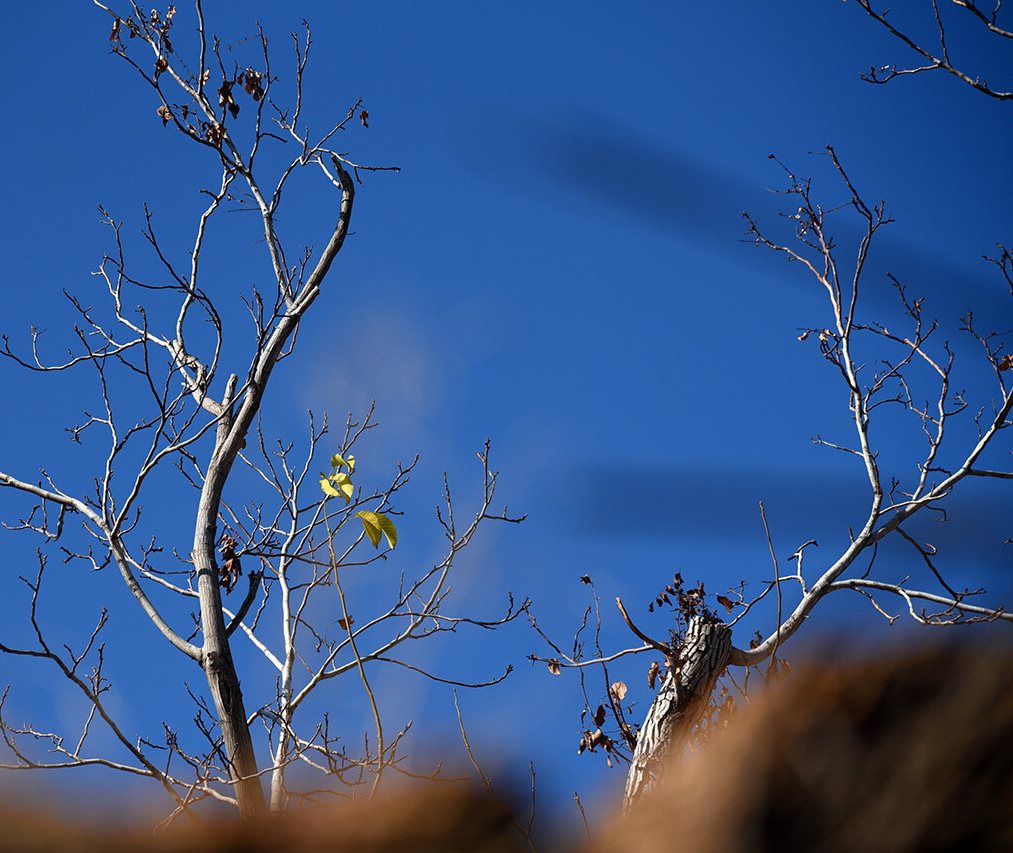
pixel 681 700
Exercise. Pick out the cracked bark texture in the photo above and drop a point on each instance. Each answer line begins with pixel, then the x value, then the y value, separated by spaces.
pixel 681 699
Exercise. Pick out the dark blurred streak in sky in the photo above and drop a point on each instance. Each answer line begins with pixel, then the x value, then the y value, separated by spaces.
pixel 674 504
pixel 648 179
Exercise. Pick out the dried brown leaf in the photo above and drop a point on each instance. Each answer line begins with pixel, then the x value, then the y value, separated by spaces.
pixel 230 569
pixel 585 579
pixel 652 673
pixel 253 82
pixel 346 623
pixel 364 118
pixel 554 667
pixel 618 690
pixel 214 134
pixel 599 716
pixel 726 603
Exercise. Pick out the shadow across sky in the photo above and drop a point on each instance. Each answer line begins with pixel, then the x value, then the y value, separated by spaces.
pixel 620 168
pixel 682 504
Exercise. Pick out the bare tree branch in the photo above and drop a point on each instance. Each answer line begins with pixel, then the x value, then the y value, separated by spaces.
pixel 937 59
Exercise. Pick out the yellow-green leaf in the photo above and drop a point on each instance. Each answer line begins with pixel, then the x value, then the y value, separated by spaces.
pixel 327 488
pixel 339 461
pixel 388 528
pixel 375 524
pixel 344 484
pixel 371 524
pixel 338 485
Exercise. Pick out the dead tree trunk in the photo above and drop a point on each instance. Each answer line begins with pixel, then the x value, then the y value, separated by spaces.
pixel 683 696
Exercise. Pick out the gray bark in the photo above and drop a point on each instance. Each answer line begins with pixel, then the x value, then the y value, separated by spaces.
pixel 216 657
pixel 235 421
pixel 681 700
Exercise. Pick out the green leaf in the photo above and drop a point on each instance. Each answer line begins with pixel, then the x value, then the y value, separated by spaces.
pixel 338 485
pixel 375 524
pixel 339 461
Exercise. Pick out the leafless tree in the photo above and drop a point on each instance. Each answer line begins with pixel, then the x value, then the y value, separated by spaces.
pixel 879 368
pixel 299 534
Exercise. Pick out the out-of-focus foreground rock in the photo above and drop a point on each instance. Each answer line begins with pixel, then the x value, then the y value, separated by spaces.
pixel 436 818
pixel 906 753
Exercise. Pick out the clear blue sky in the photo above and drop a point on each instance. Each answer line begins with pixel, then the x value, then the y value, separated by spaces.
pixel 558 267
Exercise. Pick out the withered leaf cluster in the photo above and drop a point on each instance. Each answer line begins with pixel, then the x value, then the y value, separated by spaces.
pixel 592 740
pixel 214 133
pixel 225 98
pixel 688 604
pixel 156 28
pixel 229 570
pixel 253 82
pixel 114 35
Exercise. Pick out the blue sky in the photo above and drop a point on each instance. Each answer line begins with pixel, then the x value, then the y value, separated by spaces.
pixel 559 267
